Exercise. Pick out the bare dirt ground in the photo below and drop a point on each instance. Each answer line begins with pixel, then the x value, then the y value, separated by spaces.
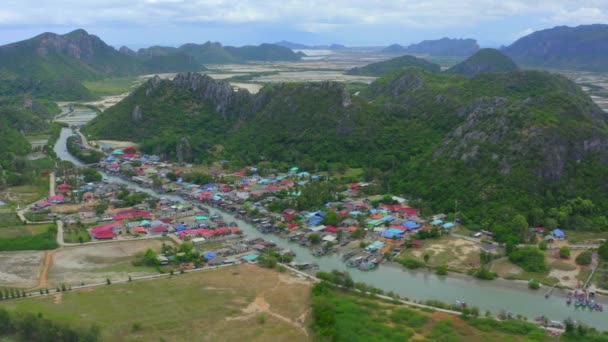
pixel 456 253
pixel 95 263
pixel 67 208
pixel 274 301
pixel 20 269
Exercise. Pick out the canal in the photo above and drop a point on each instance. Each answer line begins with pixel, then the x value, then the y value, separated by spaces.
pixel 493 295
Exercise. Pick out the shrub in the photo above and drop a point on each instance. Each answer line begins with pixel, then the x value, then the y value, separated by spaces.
pixel 584 258
pixel 564 252
pixel 442 269
pixel 534 284
pixel 411 263
pixel 531 259
pixel 484 274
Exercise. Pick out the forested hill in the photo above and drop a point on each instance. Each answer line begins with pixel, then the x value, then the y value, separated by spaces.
pixel 484 60
pixel 386 67
pixel 21 115
pixel 438 47
pixel 498 143
pixel 77 55
pixel 583 47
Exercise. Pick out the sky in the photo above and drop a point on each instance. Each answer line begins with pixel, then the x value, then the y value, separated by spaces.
pixel 141 23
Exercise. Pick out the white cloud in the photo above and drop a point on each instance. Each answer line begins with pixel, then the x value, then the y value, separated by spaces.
pixel 310 16
pixel 583 15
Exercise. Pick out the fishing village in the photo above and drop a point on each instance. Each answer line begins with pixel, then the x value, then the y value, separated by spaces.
pixel 140 197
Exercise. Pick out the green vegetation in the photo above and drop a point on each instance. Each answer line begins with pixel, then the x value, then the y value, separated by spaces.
pixel 392 65
pixel 531 259
pixel 86 156
pixel 584 258
pixel 411 263
pixel 30 327
pixel 29 239
pixel 347 316
pixel 484 60
pixel 564 252
pixel 111 86
pixel 603 251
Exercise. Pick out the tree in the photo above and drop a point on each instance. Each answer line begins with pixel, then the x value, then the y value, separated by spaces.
pixel 519 225
pixel 531 259
pixel 542 245
pixel 564 252
pixel 101 208
pixel 442 269
pixel 603 251
pixel 331 218
pixel 426 258
pixel 584 258
pixel 314 238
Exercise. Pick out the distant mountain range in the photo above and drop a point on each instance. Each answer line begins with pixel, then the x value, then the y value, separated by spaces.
pixel 38 64
pixel 583 47
pixel 215 53
pixel 297 46
pixel 438 47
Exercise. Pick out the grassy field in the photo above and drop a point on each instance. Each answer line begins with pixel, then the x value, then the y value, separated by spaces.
pixel 506 269
pixel 15 236
pixel 24 195
pixel 581 237
pixel 241 303
pixel 112 86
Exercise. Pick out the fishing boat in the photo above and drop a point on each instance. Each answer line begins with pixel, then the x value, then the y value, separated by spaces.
pixel 354 262
pixel 366 266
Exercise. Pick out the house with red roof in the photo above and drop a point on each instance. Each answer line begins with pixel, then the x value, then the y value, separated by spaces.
pixel 105 232
pixel 64 188
pixel 289 214
pixel 332 229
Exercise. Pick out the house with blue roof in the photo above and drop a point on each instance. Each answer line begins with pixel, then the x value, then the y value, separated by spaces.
pixel 558 234
pixel 411 224
pixel 437 222
pixel 448 225
pixel 392 233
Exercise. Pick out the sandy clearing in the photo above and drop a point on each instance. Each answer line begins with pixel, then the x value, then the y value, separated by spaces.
pixel 83 263
pixel 114 143
pixel 20 269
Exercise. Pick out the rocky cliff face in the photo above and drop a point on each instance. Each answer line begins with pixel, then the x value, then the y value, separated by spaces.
pixel 499 130
pixel 127 51
pixel 218 93
pixel 77 44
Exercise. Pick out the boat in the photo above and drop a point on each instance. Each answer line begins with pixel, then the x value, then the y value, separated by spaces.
pixel 366 266
pixel 461 304
pixel 354 262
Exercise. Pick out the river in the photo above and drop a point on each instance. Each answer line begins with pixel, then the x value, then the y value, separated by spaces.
pixel 493 295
